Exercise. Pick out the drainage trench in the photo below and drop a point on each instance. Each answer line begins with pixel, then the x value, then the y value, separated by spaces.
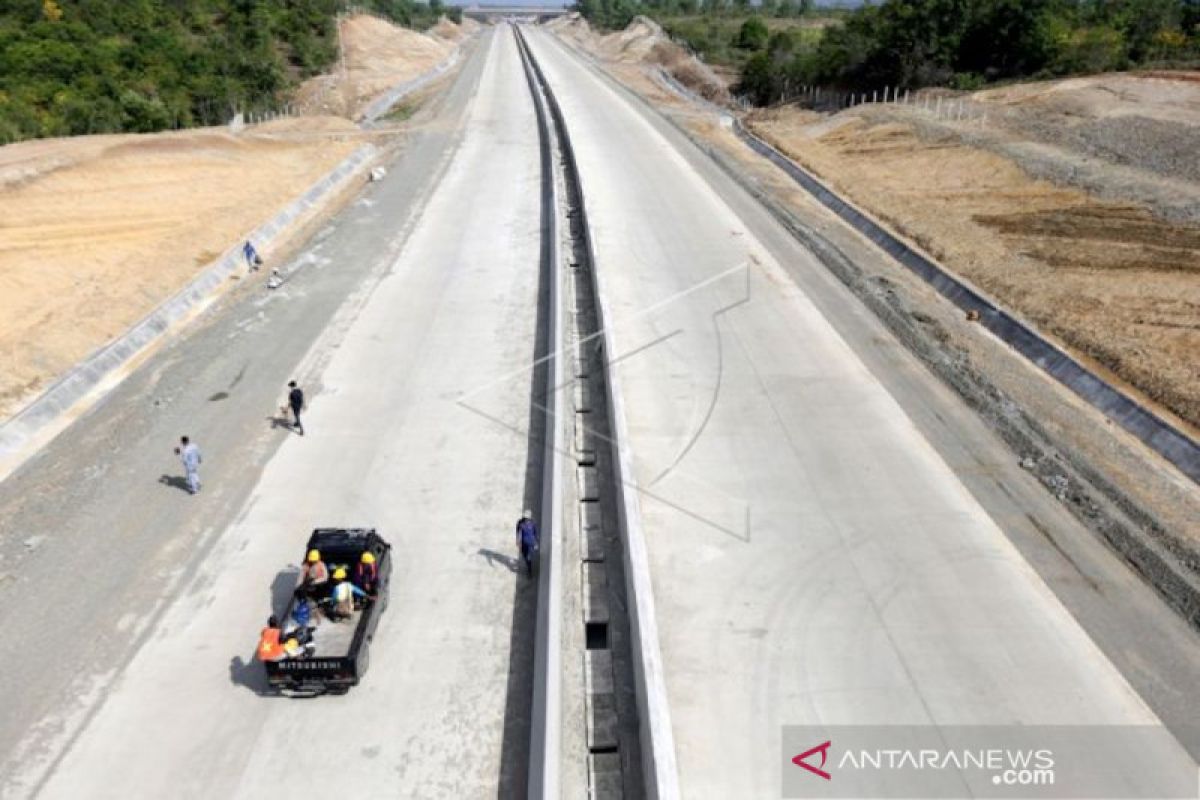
pixel 596 631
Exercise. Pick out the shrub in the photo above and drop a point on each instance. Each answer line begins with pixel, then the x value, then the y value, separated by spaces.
pixel 753 34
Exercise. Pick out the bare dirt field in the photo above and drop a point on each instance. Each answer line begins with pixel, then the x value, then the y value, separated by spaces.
pixel 95 234
pixel 96 231
pixel 1112 271
pixel 378 56
pixel 640 45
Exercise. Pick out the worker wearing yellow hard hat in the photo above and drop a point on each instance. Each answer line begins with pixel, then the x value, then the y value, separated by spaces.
pixel 314 575
pixel 343 594
pixel 366 573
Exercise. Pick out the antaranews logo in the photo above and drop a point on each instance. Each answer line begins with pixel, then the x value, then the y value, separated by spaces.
pixel 823 749
pixel 1048 762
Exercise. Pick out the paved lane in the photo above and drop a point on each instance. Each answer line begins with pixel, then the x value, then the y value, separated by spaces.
pixel 814 559
pixel 390 447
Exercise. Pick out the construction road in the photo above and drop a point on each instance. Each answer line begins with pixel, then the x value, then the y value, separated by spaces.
pixel 440 305
pixel 815 560
pixel 833 537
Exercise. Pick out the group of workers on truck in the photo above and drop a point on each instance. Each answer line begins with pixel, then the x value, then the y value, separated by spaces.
pixel 318 590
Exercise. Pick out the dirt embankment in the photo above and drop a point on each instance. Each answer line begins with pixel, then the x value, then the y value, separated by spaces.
pixel 377 55
pixel 1075 203
pixel 642 47
pixel 96 231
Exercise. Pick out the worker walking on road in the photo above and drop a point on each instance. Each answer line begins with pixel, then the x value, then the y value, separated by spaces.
pixel 296 402
pixel 527 540
pixel 253 259
pixel 189 454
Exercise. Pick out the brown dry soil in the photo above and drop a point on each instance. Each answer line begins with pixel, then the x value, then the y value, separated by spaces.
pixel 96 231
pixel 1110 280
pixel 643 43
pixel 378 56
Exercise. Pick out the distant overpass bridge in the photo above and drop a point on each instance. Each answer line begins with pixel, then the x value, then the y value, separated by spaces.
pixel 495 13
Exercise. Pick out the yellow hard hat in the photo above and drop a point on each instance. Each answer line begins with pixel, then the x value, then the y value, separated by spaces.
pixel 368 558
pixel 339 574
pixel 292 644
pixel 314 555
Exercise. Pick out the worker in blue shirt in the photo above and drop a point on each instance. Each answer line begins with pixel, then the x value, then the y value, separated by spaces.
pixel 343 595
pixel 253 259
pixel 527 540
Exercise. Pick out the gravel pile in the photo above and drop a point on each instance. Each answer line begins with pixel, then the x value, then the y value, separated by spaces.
pixel 1130 159
pixel 1165 148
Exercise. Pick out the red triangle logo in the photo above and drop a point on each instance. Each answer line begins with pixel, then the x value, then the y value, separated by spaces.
pixel 823 749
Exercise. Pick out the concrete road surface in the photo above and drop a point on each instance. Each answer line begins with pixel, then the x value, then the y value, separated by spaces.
pixel 439 304
pixel 815 558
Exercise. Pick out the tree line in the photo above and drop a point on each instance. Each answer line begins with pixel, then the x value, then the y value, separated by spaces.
pixel 967 44
pixel 912 44
pixel 72 67
pixel 616 14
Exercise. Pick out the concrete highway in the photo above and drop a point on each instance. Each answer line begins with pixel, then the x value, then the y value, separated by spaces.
pixel 833 537
pixel 815 559
pixel 445 307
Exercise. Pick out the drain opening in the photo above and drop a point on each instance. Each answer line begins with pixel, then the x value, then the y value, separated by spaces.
pixel 596 635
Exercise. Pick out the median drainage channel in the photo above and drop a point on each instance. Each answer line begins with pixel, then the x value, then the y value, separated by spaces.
pixel 593 564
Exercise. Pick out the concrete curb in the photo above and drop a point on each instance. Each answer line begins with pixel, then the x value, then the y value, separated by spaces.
pixel 656 735
pixel 47 415
pixel 1156 433
pixel 545 743
pixel 382 105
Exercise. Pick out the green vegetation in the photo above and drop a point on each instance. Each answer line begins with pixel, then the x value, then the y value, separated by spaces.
pixel 720 40
pixel 713 29
pixel 404 110
pixel 912 44
pixel 100 66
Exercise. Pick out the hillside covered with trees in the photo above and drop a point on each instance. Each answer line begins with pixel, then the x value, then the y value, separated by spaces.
pixel 102 66
pixel 918 43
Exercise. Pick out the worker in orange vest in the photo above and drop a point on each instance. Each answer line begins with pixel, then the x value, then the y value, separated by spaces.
pixel 269 646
